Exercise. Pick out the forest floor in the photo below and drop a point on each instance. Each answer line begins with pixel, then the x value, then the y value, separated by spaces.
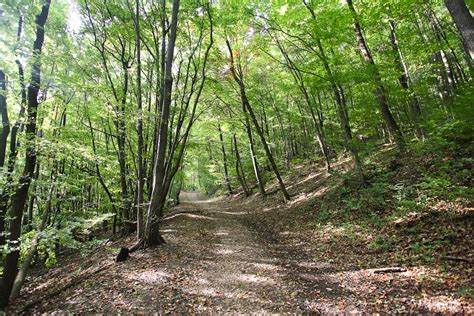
pixel 254 255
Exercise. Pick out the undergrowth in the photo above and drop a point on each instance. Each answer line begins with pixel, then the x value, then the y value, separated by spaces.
pixel 415 209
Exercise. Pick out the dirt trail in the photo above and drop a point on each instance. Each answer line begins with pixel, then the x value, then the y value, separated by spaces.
pixel 214 260
pixel 242 270
pixel 221 256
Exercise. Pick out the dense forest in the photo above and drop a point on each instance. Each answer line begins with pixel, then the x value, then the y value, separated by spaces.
pixel 331 142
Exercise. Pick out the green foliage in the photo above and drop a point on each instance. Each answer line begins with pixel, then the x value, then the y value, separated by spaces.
pixel 383 243
pixel 425 250
pixel 89 96
pixel 466 291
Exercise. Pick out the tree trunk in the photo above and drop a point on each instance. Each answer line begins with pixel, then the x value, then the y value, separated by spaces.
pixel 405 81
pixel 245 102
pixel 265 145
pixel 464 22
pixel 347 133
pixel 3 148
pixel 121 139
pixel 452 51
pixel 20 278
pixel 224 157
pixel 12 156
pixel 10 269
pixel 152 234
pixel 380 91
pixel 31 201
pixel 447 72
pixel 101 179
pixel 238 168
pixel 5 120
pixel 119 120
pixel 140 173
pixel 341 108
pixel 317 124
pixel 253 155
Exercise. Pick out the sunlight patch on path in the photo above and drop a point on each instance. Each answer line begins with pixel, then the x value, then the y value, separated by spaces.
pixel 148 276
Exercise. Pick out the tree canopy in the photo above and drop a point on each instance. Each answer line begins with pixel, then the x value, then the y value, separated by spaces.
pixel 110 109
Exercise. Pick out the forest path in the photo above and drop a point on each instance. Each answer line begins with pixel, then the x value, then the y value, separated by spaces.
pixel 219 257
pixel 234 268
pixel 236 255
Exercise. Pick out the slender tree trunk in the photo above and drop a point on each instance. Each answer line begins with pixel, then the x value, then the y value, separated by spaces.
pixel 122 158
pixel 253 155
pixel 341 108
pixel 20 278
pixel 160 99
pixel 119 120
pixel 140 173
pixel 224 157
pixel 172 168
pixel 5 120
pixel 285 138
pixel 286 145
pixel 455 63
pixel 405 81
pixel 442 57
pixel 32 199
pixel 19 197
pixel 464 22
pixel 298 77
pixel 265 145
pixel 3 148
pixel 102 181
pixel 152 234
pixel 238 168
pixel 347 133
pixel 380 91
pixel 245 102
pixel 304 128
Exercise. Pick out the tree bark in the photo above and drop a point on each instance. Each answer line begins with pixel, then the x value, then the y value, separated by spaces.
pixel 341 107
pixel 224 157
pixel 446 69
pixel 10 269
pixel 140 173
pixel 122 158
pixel 455 59
pixel 3 148
pixel 152 235
pixel 181 138
pixel 380 91
pixel 238 168
pixel 405 81
pixel 32 199
pixel 119 121
pixel 245 102
pixel 20 278
pixel 5 120
pixel 298 77
pixel 101 179
pixel 253 154
pixel 464 22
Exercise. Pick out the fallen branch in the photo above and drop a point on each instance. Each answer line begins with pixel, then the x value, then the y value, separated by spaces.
pixel 173 215
pixel 61 289
pixel 459 259
pixel 390 270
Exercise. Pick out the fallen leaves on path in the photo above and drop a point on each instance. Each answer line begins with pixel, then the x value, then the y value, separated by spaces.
pixel 247 256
